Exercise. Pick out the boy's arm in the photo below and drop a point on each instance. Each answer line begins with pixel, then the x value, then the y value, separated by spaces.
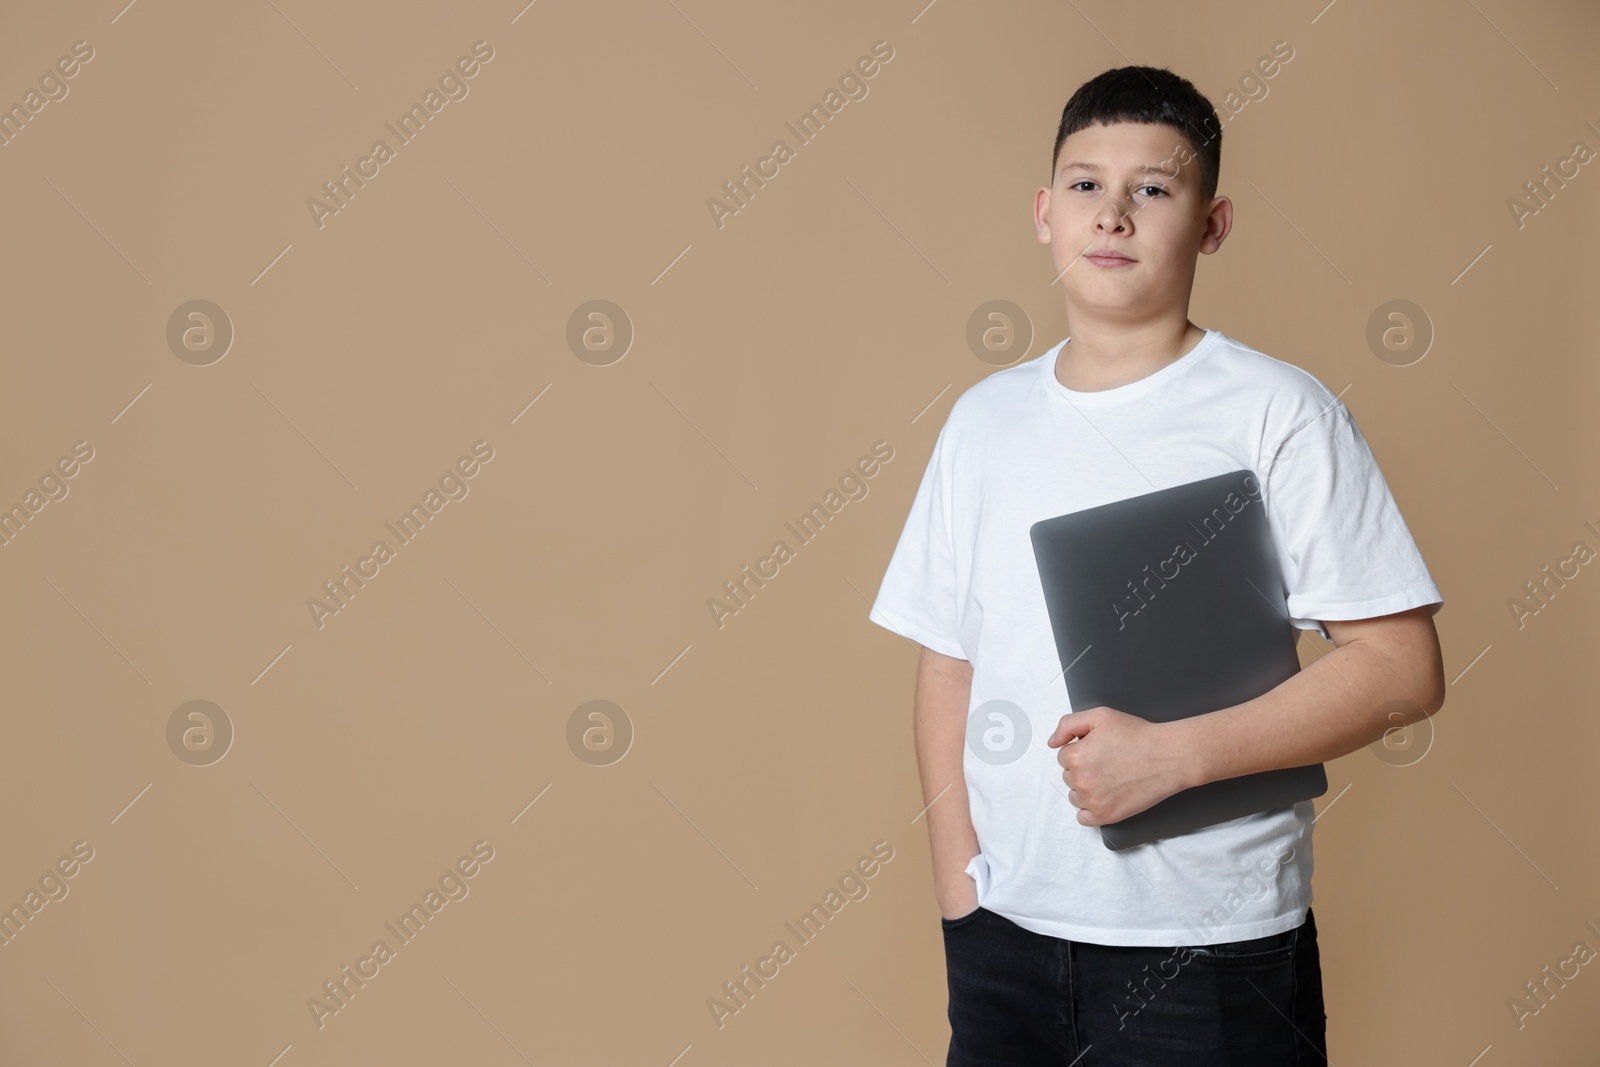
pixel 1386 672
pixel 939 710
pixel 1383 673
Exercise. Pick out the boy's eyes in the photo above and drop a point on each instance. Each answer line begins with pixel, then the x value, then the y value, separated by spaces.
pixel 1155 190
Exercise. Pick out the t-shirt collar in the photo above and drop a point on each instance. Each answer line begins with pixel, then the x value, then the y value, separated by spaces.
pixel 1132 390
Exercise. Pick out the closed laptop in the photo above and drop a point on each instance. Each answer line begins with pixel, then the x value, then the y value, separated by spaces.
pixel 1172 604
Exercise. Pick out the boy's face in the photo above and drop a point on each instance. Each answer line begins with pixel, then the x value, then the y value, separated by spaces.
pixel 1131 191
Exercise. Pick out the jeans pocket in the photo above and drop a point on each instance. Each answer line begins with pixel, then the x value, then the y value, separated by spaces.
pixel 960 920
pixel 1255 948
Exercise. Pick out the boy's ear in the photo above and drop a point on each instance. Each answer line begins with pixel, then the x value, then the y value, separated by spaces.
pixel 1219 221
pixel 1041 215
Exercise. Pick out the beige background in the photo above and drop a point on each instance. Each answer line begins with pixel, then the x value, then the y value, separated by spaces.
pixel 769 755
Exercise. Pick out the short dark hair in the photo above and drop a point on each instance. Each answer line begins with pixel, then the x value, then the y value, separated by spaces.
pixel 1150 95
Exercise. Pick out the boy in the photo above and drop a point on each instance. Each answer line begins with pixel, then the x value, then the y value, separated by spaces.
pixel 1198 949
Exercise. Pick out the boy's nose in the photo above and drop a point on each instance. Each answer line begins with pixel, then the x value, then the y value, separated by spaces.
pixel 1112 222
pixel 1115 217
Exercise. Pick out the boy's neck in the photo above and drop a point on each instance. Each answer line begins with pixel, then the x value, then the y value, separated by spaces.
pixel 1107 355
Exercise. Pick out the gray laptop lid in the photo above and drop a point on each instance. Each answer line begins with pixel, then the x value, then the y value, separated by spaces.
pixel 1172 604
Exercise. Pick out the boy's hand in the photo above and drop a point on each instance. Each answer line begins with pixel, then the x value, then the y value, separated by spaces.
pixel 1118 765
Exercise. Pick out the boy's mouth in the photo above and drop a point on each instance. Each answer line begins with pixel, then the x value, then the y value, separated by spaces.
pixel 1106 258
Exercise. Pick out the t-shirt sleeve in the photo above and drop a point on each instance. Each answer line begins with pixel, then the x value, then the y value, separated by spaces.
pixel 1346 551
pixel 917 598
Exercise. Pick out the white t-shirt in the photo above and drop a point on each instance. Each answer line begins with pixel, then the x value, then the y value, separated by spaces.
pixel 1018 447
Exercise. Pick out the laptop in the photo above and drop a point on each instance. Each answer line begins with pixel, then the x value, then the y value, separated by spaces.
pixel 1172 604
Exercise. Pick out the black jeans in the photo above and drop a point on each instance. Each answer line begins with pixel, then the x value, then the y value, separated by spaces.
pixel 1019 998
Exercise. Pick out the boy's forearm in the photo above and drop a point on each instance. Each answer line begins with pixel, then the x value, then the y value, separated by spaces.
pixel 1344 701
pixel 944 689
